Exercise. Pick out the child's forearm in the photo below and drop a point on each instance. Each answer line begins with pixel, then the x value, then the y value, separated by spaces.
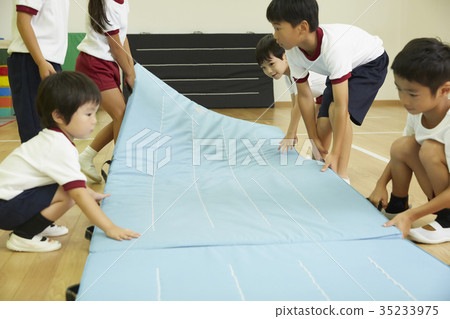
pixel 385 177
pixel 126 45
pixel 308 112
pixel 29 37
pixel 91 209
pixel 436 204
pixel 296 115
pixel 120 54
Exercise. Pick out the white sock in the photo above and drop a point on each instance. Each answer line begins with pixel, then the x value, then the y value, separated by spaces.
pixel 347 180
pixel 88 153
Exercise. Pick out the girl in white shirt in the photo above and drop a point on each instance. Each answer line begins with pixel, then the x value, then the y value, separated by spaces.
pixel 104 49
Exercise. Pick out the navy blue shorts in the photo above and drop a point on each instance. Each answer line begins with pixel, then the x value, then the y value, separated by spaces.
pixel 16 211
pixel 24 80
pixel 363 86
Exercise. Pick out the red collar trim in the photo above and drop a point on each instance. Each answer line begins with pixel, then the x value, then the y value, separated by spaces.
pixel 319 33
pixel 57 129
pixel 119 1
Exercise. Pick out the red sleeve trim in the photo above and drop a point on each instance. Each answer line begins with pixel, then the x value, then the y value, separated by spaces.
pixel 22 8
pixel 302 80
pixel 113 32
pixel 74 184
pixel 342 79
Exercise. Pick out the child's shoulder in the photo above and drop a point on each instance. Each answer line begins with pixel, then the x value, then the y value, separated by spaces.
pixel 341 29
pixel 47 138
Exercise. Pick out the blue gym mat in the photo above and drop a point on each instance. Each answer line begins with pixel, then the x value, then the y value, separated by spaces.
pixel 225 216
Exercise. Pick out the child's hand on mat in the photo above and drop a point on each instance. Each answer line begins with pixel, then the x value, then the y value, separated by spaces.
pixel 318 151
pixel 288 143
pixel 331 161
pixel 402 221
pixel 119 233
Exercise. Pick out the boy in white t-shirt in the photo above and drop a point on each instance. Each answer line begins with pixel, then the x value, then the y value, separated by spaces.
pixel 422 76
pixel 272 60
pixel 354 61
pixel 41 179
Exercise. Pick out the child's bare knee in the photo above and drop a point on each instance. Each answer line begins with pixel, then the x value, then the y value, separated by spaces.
pixel 404 147
pixel 432 152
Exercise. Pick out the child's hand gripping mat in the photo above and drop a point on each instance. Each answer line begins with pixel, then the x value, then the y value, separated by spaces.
pixel 214 187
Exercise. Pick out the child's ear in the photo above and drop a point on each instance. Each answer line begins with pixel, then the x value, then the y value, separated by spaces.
pixel 445 88
pixel 284 58
pixel 304 26
pixel 58 118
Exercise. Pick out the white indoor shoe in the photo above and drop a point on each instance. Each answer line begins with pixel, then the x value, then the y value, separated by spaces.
pixel 433 233
pixel 54 231
pixel 388 215
pixel 88 169
pixel 37 244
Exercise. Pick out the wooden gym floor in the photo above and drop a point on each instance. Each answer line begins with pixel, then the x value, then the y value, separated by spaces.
pixel 45 276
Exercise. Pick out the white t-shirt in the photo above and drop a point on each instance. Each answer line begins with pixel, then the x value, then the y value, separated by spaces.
pixel 316 83
pixel 49 21
pixel 440 133
pixel 341 48
pixel 96 44
pixel 48 158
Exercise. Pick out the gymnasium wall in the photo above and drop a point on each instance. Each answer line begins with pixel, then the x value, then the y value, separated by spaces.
pixel 394 21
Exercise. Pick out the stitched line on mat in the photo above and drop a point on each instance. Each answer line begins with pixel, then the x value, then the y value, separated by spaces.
pixel 317 243
pixel 136 240
pixel 391 279
pixel 295 188
pixel 156 161
pixel 237 282
pixel 158 283
pixel 196 186
pixel 239 184
pixel 313 280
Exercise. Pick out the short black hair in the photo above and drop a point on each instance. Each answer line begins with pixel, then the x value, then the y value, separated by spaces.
pixel 425 61
pixel 266 46
pixel 64 91
pixel 294 12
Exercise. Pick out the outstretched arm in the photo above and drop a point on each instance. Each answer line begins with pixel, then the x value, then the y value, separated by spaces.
pixel 404 220
pixel 340 94
pixel 123 57
pixel 291 139
pixel 307 109
pixel 90 208
pixel 126 45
